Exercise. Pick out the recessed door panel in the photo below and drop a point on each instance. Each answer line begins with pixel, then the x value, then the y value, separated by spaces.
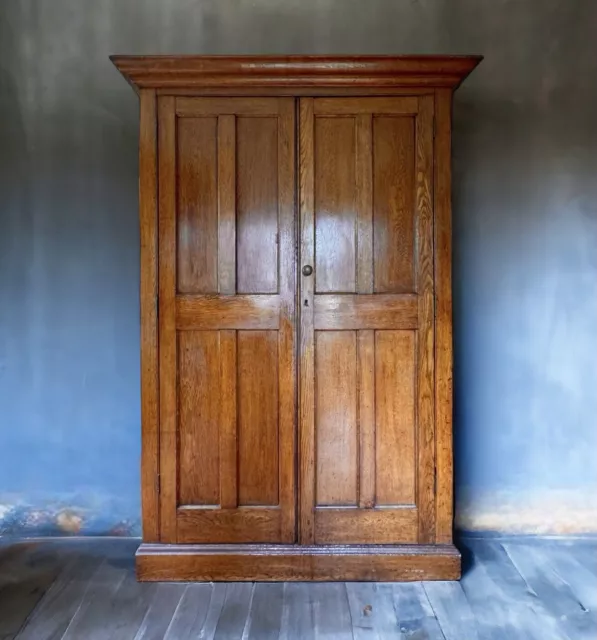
pixel 199 403
pixel 258 467
pixel 394 203
pixel 394 398
pixel 335 246
pixel 336 417
pixel 197 205
pixel 257 204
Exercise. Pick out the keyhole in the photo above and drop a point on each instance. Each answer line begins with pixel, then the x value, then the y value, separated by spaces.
pixel 306 303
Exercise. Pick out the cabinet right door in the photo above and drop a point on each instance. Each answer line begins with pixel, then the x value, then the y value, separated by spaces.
pixel 366 302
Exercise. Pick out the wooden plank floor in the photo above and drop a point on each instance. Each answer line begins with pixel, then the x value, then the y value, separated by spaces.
pixel 511 590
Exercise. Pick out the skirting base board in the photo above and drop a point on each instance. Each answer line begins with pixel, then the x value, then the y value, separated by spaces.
pixel 215 563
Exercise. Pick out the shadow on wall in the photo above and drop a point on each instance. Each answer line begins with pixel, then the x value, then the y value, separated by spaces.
pixel 69 389
pixel 525 307
pixel 525 256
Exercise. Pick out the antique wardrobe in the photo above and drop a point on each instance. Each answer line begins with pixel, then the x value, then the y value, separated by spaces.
pixel 296 339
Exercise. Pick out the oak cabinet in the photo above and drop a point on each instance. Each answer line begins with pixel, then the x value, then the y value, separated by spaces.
pixel 296 317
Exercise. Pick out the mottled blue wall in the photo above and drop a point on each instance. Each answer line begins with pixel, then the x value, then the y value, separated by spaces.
pixel 525 246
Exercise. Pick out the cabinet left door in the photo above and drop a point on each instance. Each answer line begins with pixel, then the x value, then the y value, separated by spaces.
pixel 226 280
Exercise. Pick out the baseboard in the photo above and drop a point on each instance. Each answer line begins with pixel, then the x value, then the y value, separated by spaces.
pixel 524 537
pixel 215 563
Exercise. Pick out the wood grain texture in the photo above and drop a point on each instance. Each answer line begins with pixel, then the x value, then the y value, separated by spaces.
pixel 227 312
pixel 227 215
pixel 425 334
pixel 335 205
pixel 371 610
pixel 297 563
pixel 148 225
pixel 287 345
pixel 297 617
pixel 234 526
pixel 161 609
pixel 167 319
pixel 257 204
pixel 197 203
pixel 127 608
pixel 444 499
pixel 295 92
pixel 51 618
pixel 394 197
pixel 235 611
pixel 366 526
pixel 283 72
pixel 366 106
pixel 452 610
pixel 191 612
pixel 191 108
pixel 100 599
pixel 366 420
pixel 27 573
pixel 307 338
pixel 265 619
pixel 378 311
pixel 230 395
pixel 331 614
pixel 364 202
pixel 374 197
pixel 525 588
pixel 228 419
pixel 383 148
pixel 258 418
pixel 546 582
pixel 395 417
pixel 336 418
pixel 414 613
pixel 200 412
pixel 500 612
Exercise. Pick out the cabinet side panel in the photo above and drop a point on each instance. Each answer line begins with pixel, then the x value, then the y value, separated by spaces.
pixel 443 318
pixel 426 331
pixel 148 212
pixel 167 317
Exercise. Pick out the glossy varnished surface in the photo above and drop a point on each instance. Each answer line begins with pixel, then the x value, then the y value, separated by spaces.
pixel 516 589
pixel 276 563
pixel 359 462
pixel 367 318
pixel 294 72
pixel 227 288
pixel 148 289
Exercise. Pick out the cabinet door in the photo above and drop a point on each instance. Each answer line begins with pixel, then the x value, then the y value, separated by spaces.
pixel 226 319
pixel 367 320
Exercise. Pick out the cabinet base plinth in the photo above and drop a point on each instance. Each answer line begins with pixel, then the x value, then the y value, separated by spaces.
pixel 215 563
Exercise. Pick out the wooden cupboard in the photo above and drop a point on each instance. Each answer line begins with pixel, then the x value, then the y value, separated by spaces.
pixel 296 341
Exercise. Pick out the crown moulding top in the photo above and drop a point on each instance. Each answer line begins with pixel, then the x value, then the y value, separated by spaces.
pixel 245 72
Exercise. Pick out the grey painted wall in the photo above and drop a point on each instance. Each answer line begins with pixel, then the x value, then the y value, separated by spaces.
pixel 525 248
